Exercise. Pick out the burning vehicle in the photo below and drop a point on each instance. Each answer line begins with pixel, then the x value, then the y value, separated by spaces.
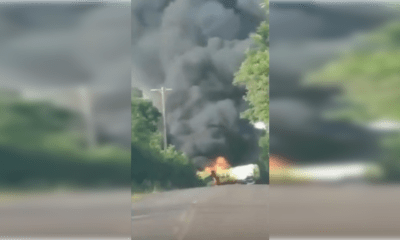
pixel 220 172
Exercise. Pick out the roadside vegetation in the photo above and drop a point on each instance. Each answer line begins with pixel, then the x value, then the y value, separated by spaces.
pixel 152 168
pixel 254 75
pixel 369 77
pixel 42 148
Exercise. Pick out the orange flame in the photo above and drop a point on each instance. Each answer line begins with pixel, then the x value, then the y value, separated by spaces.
pixel 220 165
pixel 278 163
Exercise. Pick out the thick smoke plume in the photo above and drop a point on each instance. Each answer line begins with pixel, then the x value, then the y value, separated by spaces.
pixel 195 47
pixel 304 37
pixel 51 49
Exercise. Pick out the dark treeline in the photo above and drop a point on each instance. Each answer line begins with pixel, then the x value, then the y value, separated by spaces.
pixel 43 146
pixel 151 165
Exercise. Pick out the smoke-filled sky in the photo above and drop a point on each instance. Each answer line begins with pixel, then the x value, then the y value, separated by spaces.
pixel 195 47
pixel 192 46
pixel 54 46
pixel 304 36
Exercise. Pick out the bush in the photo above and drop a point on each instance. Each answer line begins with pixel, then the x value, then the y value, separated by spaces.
pixel 390 163
pixel 81 169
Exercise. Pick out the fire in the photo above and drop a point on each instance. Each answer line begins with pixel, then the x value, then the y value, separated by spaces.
pixel 220 165
pixel 278 163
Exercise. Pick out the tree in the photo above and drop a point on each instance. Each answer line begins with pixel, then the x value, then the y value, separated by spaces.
pixel 35 124
pixel 254 75
pixel 42 141
pixel 149 161
pixel 145 118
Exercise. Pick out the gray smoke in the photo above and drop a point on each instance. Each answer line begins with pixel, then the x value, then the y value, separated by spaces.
pixel 56 46
pixel 195 47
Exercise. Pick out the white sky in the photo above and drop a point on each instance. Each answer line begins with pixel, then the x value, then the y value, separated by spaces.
pixel 260 125
pixel 385 125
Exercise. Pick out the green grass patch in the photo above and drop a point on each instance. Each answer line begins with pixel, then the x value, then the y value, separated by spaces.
pixel 136 197
pixel 289 176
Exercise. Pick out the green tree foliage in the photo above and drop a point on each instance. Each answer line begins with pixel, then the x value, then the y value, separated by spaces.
pixel 150 163
pixel 40 141
pixel 254 75
pixel 35 124
pixel 145 119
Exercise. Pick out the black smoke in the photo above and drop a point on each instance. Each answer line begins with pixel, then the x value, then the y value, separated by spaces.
pixel 304 36
pixel 195 47
pixel 60 46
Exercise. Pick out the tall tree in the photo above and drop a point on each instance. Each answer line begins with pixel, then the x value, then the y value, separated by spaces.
pixel 35 124
pixel 254 75
pixel 149 160
pixel 145 118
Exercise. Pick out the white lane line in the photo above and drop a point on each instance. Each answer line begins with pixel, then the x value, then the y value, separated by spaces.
pixel 333 238
pixel 140 216
pixel 182 217
pixel 186 224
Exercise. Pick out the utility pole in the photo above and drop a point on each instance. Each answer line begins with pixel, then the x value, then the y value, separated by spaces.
pixel 87 102
pixel 163 91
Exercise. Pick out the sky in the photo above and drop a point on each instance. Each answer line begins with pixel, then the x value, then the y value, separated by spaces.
pixel 195 47
pixel 69 44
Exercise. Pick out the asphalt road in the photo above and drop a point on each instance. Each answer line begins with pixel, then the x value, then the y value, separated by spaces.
pixel 91 215
pixel 275 212
pixel 222 212
pixel 350 210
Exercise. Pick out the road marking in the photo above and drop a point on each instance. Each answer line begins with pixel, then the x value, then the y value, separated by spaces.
pixel 140 216
pixel 183 216
pixel 188 221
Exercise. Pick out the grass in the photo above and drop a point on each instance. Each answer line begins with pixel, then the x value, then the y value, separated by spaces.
pixel 138 196
pixel 288 176
pixel 13 195
pixel 10 197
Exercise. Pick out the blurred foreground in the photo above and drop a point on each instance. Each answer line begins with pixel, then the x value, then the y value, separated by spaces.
pixel 351 210
pixel 259 212
pixel 221 212
pixel 79 214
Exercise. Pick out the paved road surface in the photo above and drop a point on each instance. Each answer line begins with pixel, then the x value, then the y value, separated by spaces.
pixel 85 214
pixel 241 212
pixel 223 212
pixel 343 210
pixel 229 212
